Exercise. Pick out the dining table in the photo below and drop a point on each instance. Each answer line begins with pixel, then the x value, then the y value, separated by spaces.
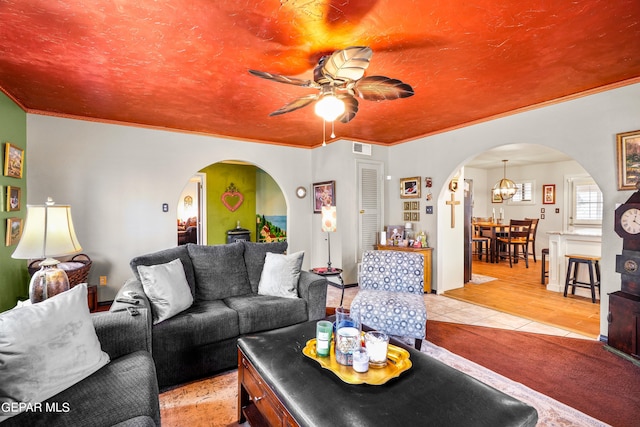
pixel 494 230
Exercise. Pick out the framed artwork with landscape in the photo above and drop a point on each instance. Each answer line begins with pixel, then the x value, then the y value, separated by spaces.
pixel 13 159
pixel 324 194
pixel 14 231
pixel 410 188
pixel 628 149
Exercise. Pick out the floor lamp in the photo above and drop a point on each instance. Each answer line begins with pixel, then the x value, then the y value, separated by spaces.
pixel 329 226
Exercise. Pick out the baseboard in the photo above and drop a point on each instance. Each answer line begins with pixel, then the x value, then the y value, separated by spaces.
pixel 623 355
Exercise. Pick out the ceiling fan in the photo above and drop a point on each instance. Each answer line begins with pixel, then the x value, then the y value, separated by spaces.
pixel 339 78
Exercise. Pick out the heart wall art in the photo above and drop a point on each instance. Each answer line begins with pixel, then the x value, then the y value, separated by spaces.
pixel 232 198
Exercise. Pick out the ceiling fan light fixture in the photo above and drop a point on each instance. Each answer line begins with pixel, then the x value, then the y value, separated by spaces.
pixel 505 187
pixel 329 107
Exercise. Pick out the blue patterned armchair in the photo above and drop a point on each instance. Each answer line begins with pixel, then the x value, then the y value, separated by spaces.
pixel 390 298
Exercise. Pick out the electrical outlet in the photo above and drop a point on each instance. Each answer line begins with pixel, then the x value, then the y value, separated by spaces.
pixel 103 280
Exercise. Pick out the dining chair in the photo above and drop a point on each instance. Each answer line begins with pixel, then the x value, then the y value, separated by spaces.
pixel 517 241
pixel 532 236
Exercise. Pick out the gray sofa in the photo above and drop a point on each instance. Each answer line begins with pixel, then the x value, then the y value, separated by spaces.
pixel 223 279
pixel 122 393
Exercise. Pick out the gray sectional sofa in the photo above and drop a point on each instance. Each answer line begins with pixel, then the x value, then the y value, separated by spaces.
pixel 223 281
pixel 122 393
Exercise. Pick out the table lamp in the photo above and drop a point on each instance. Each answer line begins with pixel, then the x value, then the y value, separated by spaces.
pixel 329 226
pixel 48 233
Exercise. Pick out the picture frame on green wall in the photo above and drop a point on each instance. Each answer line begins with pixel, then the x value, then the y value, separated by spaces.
pixel 13 160
pixel 13 198
pixel 14 231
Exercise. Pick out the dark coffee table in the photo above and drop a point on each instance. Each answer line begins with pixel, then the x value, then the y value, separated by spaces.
pixel 278 385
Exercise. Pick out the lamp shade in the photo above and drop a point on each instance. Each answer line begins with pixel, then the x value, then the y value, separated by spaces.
pixel 48 233
pixel 329 219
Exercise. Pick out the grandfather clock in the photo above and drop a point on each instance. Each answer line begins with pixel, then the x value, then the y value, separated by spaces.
pixel 624 305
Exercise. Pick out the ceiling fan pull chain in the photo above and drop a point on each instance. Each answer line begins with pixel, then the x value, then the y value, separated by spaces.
pixel 324 139
pixel 333 133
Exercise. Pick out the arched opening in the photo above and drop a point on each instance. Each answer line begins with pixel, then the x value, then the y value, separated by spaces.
pixel 559 193
pixel 229 201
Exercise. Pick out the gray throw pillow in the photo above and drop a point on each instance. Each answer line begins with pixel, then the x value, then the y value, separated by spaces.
pixel 254 254
pixel 219 271
pixel 167 289
pixel 164 256
pixel 280 275
pixel 46 348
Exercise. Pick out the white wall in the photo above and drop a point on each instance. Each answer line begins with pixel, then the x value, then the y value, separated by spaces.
pixel 116 179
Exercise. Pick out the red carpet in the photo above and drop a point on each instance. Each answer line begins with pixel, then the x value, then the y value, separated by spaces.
pixel 578 373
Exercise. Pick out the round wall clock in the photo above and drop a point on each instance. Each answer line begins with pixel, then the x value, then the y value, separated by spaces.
pixel 301 192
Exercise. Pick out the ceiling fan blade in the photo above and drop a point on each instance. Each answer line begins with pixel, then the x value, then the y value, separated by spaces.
pixel 347 64
pixel 295 104
pixel 380 88
pixel 350 108
pixel 283 79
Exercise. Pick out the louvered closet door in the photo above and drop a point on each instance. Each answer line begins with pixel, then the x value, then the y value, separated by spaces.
pixel 370 200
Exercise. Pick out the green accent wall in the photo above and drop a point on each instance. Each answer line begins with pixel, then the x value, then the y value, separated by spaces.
pixel 220 219
pixel 14 278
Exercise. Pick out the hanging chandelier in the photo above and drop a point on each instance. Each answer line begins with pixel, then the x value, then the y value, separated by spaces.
pixel 505 187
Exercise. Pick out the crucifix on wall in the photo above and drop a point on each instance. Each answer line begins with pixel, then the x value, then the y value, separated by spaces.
pixel 453 202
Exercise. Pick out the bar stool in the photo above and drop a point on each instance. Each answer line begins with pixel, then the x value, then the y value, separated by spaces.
pixel 482 246
pixel 593 263
pixel 544 273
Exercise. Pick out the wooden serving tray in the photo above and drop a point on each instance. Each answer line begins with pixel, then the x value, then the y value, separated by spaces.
pixel 397 358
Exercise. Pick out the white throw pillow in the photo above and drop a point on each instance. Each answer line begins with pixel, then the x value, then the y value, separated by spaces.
pixel 46 348
pixel 280 275
pixel 167 289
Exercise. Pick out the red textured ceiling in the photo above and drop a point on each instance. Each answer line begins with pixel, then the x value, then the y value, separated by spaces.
pixel 182 64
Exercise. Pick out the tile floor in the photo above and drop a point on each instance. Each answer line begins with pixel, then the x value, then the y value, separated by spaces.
pixel 445 309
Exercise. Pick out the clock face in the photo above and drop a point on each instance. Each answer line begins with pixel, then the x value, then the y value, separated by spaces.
pixel 630 221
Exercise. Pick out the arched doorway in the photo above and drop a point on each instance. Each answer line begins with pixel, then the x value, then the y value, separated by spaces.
pixel 235 200
pixel 535 169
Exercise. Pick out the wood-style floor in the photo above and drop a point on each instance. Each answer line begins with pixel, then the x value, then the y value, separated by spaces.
pixel 518 291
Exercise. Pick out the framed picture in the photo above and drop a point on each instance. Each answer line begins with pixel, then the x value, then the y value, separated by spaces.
pixel 1 198
pixel 14 231
pixel 410 188
pixel 415 216
pixel 407 216
pixel 415 206
pixel 628 148
pixel 13 160
pixel 394 232
pixel 324 193
pixel 13 198
pixel 549 194
pixel 407 206
pixel 496 197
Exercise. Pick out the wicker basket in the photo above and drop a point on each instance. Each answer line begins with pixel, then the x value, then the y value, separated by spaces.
pixel 76 276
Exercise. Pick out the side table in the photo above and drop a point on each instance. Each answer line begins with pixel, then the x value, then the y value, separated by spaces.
pixel 326 272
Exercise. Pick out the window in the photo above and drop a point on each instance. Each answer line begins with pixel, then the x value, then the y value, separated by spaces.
pixel 587 202
pixel 525 193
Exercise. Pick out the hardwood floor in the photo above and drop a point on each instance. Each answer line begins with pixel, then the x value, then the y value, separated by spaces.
pixel 518 291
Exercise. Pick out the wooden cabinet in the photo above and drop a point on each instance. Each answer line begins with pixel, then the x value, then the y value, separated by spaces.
pixel 426 252
pixel 624 323
pixel 257 403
